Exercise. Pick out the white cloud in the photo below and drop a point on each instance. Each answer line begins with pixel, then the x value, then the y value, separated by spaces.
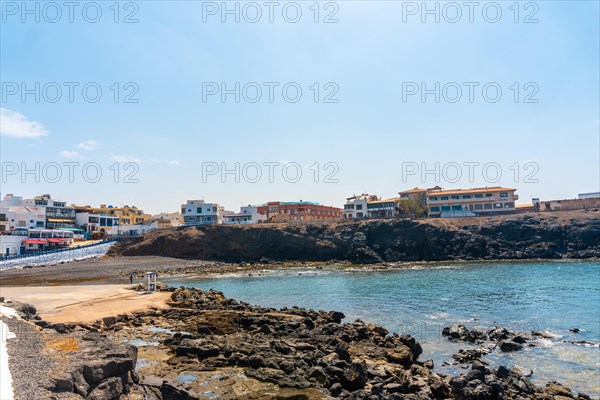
pixel 167 162
pixel 14 124
pixel 88 145
pixel 125 158
pixel 70 154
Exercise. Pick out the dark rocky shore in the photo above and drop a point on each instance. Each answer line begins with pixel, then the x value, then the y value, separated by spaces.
pixel 556 235
pixel 232 350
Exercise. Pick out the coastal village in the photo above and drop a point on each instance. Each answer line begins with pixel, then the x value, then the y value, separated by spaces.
pixel 43 224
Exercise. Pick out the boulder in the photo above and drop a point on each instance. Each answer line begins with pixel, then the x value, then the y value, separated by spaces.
pixel 400 355
pixel 355 376
pixel 507 345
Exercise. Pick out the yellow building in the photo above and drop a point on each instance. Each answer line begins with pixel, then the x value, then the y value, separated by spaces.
pixel 128 215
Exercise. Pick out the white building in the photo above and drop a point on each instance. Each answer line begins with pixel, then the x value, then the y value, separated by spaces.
pixel 91 223
pixel 24 217
pixel 593 195
pixel 356 206
pixel 10 200
pixel 11 245
pixel 247 215
pixel 48 239
pixel 198 212
pixel 168 219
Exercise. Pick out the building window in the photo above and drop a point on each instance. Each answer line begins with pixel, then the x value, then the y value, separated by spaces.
pixel 444 198
pixel 359 206
pixel 445 208
pixel 479 206
pixel 433 198
pixel 457 208
pixel 467 196
pixel 487 206
pixel 503 195
pixel 199 210
pixel 434 209
pixel 488 195
pixel 479 196
pixel 498 205
pixel 455 197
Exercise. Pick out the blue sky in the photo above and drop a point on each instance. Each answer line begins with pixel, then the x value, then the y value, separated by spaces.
pixel 370 57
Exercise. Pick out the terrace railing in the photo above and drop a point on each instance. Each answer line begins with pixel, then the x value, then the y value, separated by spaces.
pixel 57 255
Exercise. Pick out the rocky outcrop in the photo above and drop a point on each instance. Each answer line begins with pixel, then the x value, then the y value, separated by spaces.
pixel 554 235
pixel 481 383
pixel 506 340
pixel 307 354
pixel 79 361
pixel 98 368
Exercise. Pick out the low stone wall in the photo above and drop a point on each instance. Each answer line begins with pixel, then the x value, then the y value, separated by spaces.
pixel 570 204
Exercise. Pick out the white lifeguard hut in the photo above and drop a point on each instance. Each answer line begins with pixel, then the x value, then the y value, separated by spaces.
pixel 150 279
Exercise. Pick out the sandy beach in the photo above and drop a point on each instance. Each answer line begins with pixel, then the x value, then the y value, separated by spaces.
pixel 83 303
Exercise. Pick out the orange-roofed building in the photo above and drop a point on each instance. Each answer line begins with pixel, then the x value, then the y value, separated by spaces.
pixel 471 202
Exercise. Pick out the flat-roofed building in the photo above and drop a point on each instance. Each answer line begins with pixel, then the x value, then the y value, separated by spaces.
pixel 24 217
pixel 168 220
pixel 592 195
pixel 247 215
pixel 58 215
pixel 199 212
pixel 471 202
pixel 356 206
pixel 387 208
pixel 96 223
pixel 287 211
pixel 128 215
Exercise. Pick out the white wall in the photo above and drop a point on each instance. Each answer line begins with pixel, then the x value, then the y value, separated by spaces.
pixel 13 243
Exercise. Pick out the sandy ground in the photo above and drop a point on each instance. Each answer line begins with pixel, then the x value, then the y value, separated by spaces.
pixel 83 303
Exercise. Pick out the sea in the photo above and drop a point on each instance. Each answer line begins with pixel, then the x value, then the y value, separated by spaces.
pixel 552 297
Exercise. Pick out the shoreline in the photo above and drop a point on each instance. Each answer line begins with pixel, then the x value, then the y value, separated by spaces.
pixel 202 342
pixel 116 269
pixel 94 302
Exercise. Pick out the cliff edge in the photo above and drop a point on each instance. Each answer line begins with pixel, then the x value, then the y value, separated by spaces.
pixel 571 234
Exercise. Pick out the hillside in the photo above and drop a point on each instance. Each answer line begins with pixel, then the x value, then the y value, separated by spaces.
pixel 573 234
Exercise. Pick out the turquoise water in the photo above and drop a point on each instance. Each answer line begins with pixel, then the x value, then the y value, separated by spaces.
pixel 543 296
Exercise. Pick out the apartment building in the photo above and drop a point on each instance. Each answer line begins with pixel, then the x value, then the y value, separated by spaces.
pixel 128 215
pixel 470 202
pixel 16 212
pixel 199 212
pixel 384 208
pixel 356 206
pixel 282 211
